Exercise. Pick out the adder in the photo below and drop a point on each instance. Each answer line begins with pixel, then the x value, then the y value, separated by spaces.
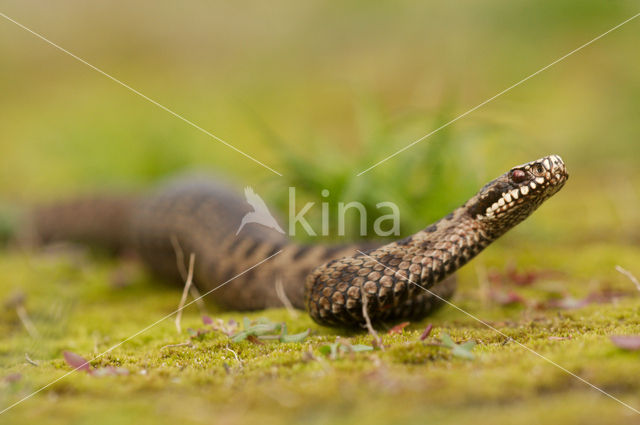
pixel 408 278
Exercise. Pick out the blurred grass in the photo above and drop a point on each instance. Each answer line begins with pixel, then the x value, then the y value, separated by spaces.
pixel 321 91
pixel 340 87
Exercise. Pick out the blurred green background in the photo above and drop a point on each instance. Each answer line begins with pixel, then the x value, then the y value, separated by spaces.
pixel 320 91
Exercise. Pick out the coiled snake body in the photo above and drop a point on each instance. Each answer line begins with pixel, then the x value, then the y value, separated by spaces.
pixel 408 278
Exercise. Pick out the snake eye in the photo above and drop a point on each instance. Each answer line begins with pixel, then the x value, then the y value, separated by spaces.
pixel 538 169
pixel 518 176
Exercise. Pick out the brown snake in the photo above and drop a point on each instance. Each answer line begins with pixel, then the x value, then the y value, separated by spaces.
pixel 331 282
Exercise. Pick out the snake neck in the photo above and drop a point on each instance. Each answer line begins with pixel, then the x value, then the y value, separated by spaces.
pixel 432 254
pixel 397 272
pixel 440 248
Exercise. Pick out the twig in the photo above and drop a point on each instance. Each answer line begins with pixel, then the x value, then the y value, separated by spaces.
pixel 367 320
pixel 187 285
pixel 284 299
pixel 30 361
pixel 195 294
pixel 235 355
pixel 17 302
pixel 182 344
pixel 179 256
pixel 631 277
pixel 26 321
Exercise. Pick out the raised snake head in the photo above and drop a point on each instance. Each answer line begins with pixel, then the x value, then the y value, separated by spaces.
pixel 512 197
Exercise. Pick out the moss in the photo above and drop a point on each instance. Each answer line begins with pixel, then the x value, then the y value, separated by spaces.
pixel 80 309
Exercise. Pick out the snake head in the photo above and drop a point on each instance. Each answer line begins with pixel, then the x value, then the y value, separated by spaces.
pixel 512 197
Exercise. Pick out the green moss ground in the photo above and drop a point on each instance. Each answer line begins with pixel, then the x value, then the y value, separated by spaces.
pixel 77 303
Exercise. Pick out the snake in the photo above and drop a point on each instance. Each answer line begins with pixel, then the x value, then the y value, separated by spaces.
pixel 340 285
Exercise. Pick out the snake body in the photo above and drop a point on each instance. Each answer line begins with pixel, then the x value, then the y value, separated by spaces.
pixel 408 278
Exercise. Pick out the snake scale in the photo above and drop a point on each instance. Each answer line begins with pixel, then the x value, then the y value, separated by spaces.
pixel 408 278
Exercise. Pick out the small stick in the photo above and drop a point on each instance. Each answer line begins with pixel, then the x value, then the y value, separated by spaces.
pixel 284 299
pixel 631 277
pixel 235 355
pixel 30 361
pixel 195 294
pixel 183 273
pixel 187 285
pixel 26 321
pixel 182 344
pixel 179 257
pixel 367 320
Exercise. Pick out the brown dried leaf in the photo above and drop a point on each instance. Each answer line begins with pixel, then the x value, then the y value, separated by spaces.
pixel 426 332
pixel 506 297
pixel 76 361
pixel 626 342
pixel 254 339
pixel 399 328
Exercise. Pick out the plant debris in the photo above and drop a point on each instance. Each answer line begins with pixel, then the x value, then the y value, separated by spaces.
pixel 426 332
pixel 341 347
pixel 78 362
pixel 630 276
pixel 12 378
pixel 399 328
pixel 263 329
pixel 377 341
pixel 185 292
pixel 458 350
pixel 182 344
pixel 568 302
pixel 559 338
pixel 626 342
pixel 506 297
pixel 254 339
pixel 17 301
pixel 229 328
pixel 218 325
pixel 30 360
pixel 197 333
